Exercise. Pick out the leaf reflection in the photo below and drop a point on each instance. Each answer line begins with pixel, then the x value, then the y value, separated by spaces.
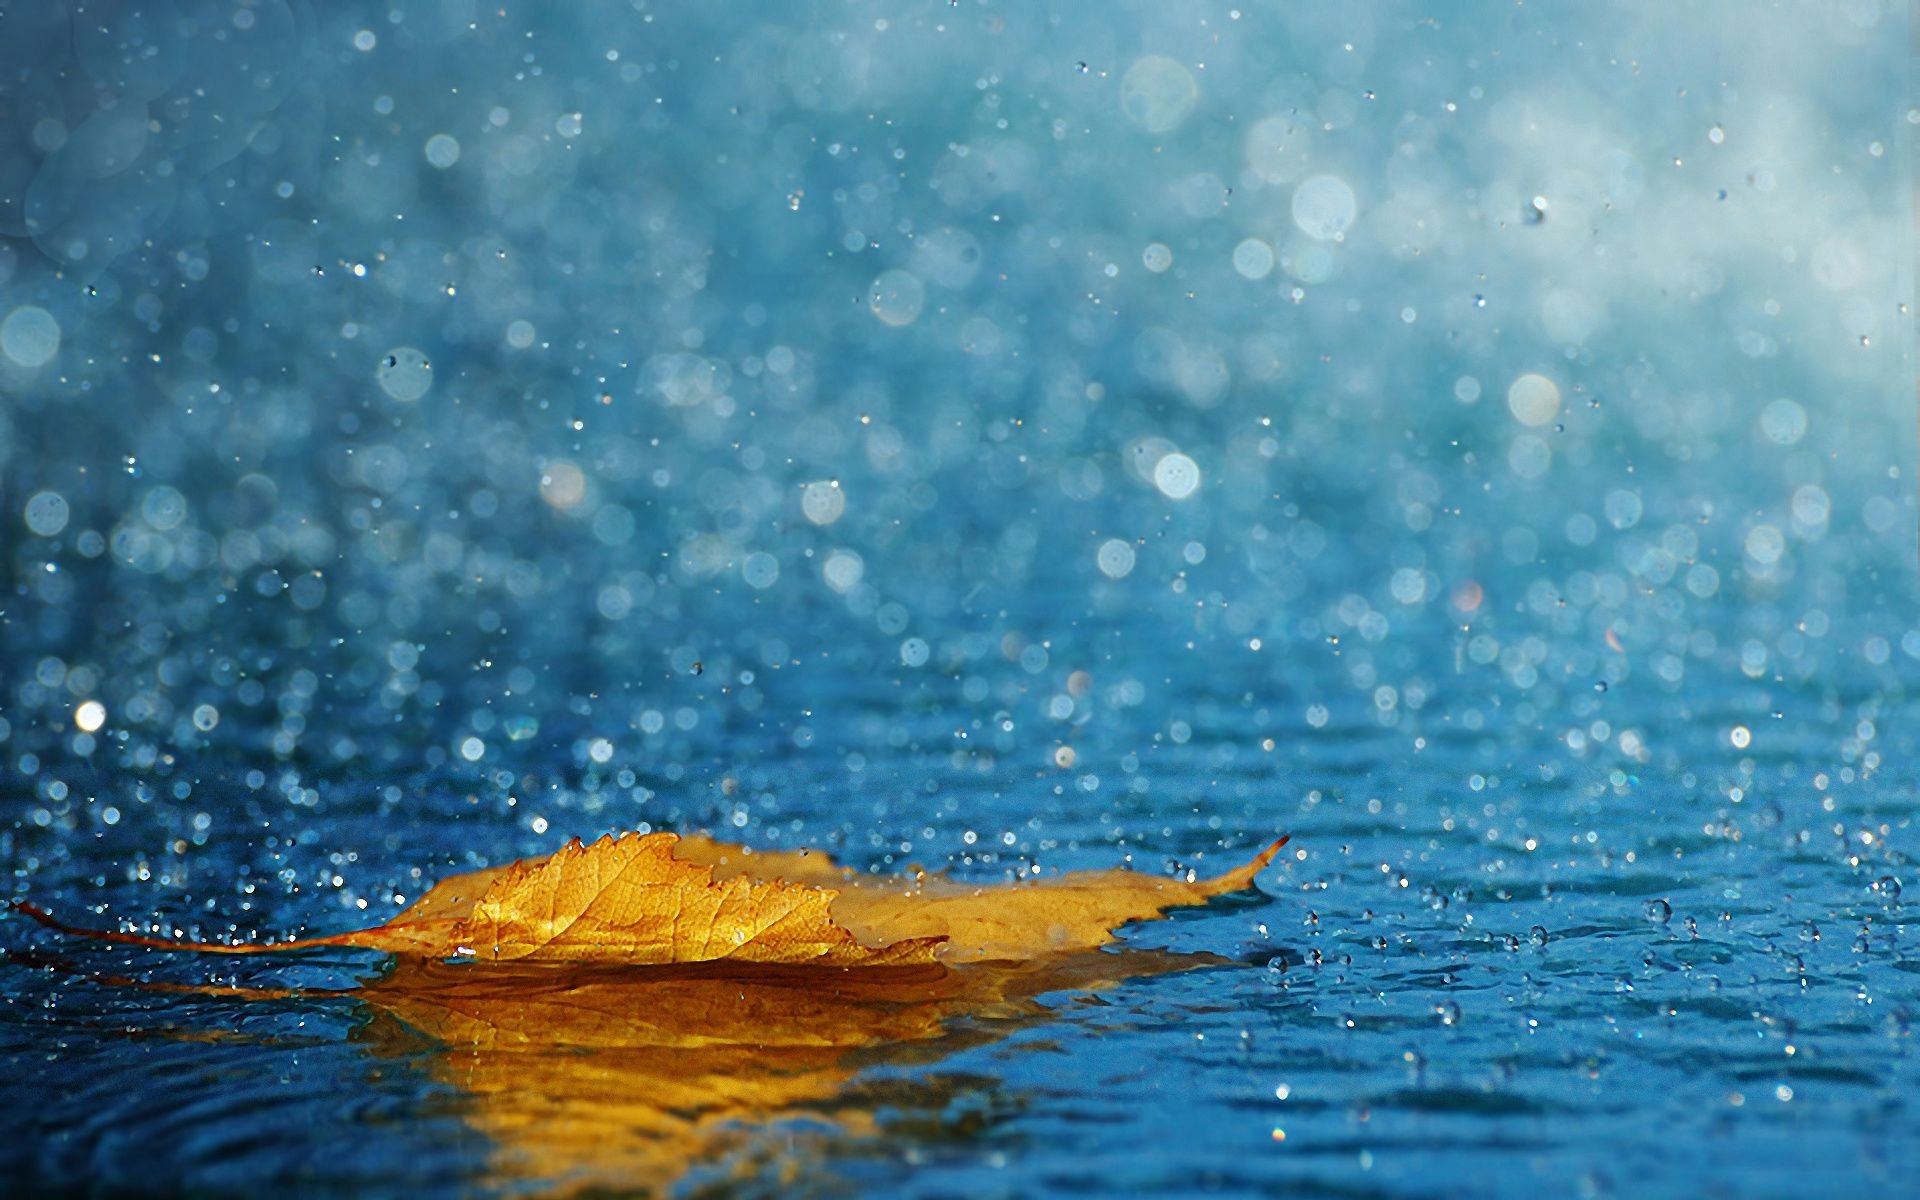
pixel 586 1079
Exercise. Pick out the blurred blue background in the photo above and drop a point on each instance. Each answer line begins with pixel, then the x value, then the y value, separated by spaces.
pixel 1479 440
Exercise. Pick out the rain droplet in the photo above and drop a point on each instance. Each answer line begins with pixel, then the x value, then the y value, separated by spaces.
pixel 1176 475
pixel 896 297
pixel 1448 1012
pixel 1658 911
pixel 442 150
pixel 30 336
pixel 404 374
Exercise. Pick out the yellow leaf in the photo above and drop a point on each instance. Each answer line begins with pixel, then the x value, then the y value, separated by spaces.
pixel 652 1005
pixel 654 899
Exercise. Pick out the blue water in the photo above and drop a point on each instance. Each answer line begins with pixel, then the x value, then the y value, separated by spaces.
pixel 1006 438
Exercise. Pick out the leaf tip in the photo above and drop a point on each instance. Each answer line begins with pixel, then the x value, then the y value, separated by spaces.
pixel 1266 856
pixel 1243 877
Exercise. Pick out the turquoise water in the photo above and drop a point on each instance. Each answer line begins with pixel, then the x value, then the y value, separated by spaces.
pixel 1479 445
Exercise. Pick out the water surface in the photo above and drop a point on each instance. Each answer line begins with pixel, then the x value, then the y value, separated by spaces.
pixel 1004 439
